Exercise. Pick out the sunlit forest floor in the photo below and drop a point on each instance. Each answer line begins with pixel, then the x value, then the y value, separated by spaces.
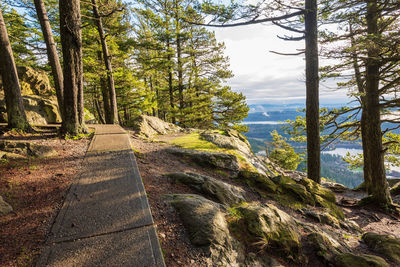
pixel 35 188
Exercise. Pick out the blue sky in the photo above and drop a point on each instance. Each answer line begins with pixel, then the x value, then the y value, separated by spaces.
pixel 265 77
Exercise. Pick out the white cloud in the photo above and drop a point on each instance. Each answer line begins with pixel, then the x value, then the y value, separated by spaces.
pixel 262 75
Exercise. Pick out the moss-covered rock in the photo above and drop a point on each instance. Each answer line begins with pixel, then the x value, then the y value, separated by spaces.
pixel 25 149
pixel 318 189
pixel 363 260
pixel 208 159
pixel 322 217
pixel 270 227
pixel 149 126
pixel 225 193
pixel 261 183
pixel 384 244
pixel 208 228
pixel 325 247
pixel 299 192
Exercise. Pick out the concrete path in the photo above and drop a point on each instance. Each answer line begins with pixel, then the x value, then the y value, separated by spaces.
pixel 106 218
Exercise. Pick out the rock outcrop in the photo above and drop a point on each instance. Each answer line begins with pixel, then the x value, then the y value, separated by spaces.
pixel 208 228
pixel 149 126
pixel 39 98
pixel 269 227
pixel 325 247
pixel 363 260
pixel 208 159
pixel 20 150
pixel 384 244
pixel 225 193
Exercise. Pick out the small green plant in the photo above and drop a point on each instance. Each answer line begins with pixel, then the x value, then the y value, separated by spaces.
pixel 283 153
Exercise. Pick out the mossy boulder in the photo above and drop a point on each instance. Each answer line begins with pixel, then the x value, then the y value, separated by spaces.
pixel 230 141
pixel 322 217
pixel 34 81
pixel 261 183
pixel 299 192
pixel 325 247
pixel 318 189
pixel 363 260
pixel 150 126
pixel 223 192
pixel 25 149
pixel 383 244
pixel 202 218
pixel 208 159
pixel 270 226
pixel 207 228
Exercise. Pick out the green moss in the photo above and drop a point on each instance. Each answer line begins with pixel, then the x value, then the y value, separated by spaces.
pixel 318 189
pixel 383 244
pixel 257 181
pixel 363 260
pixel 194 141
pixel 330 206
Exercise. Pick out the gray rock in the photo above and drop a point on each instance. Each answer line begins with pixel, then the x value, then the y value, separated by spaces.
pixel 383 244
pixel 149 126
pixel 5 208
pixel 322 217
pixel 363 260
pixel 335 187
pixel 225 193
pixel 208 228
pixel 231 141
pixel 274 227
pixel 325 246
pixel 208 159
pixel 18 149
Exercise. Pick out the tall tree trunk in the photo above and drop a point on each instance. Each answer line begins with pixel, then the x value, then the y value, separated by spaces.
pixel 98 109
pixel 179 60
pixel 312 91
pixel 12 90
pixel 379 188
pixel 106 100
pixel 51 53
pixel 169 60
pixel 363 121
pixel 107 62
pixel 70 29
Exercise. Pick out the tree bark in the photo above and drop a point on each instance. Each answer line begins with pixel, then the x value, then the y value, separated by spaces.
pixel 179 61
pixel 363 121
pixel 12 90
pixel 169 60
pixel 312 91
pixel 107 63
pixel 70 29
pixel 379 187
pixel 98 109
pixel 51 52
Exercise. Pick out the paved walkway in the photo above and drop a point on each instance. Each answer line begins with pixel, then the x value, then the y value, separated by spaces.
pixel 106 218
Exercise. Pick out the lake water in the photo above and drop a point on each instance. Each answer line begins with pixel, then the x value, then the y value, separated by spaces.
pixel 262 122
pixel 341 151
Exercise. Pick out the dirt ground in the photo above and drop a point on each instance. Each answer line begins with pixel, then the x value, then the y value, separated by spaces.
pixel 35 188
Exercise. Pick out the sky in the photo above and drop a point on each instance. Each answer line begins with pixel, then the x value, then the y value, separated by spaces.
pixel 264 77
